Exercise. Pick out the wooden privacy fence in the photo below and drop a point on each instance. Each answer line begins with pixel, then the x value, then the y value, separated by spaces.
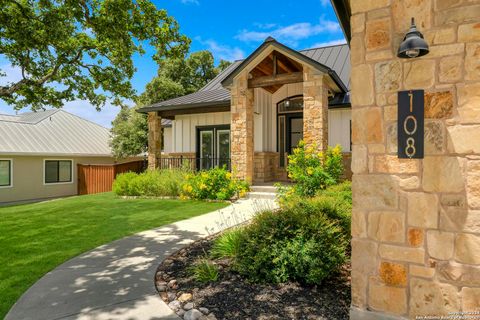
pixel 96 178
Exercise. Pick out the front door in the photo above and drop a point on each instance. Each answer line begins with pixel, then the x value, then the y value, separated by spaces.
pixel 295 133
pixel 290 132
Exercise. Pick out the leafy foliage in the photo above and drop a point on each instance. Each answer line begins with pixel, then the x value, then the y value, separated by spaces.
pixel 312 171
pixel 82 49
pixel 304 241
pixel 214 184
pixel 151 183
pixel 130 133
pixel 204 271
pixel 228 245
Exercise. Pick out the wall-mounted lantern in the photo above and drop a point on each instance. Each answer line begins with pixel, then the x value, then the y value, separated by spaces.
pixel 413 45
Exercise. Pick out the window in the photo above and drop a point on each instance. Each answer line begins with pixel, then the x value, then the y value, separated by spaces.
pixel 58 171
pixel 291 104
pixel 213 146
pixel 5 173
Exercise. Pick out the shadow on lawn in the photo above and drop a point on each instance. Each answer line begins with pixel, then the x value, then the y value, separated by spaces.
pixel 113 281
pixel 116 280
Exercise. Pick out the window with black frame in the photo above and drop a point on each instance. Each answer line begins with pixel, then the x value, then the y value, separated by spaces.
pixel 58 171
pixel 5 173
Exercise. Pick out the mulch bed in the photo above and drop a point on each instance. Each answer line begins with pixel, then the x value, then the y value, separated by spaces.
pixel 233 297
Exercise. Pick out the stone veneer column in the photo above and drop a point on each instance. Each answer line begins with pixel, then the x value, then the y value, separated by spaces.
pixel 415 223
pixel 315 109
pixel 241 128
pixel 154 140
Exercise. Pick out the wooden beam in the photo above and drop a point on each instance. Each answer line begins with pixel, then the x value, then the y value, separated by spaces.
pixel 279 79
pixel 274 65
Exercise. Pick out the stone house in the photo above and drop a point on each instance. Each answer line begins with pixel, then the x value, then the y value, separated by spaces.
pixel 253 114
pixel 415 222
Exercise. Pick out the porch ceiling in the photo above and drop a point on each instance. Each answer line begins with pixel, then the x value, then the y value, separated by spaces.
pixel 274 71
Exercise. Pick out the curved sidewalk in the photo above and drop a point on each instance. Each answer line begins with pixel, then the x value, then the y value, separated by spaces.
pixel 116 280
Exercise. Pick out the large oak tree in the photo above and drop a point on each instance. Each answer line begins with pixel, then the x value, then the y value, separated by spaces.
pixel 80 49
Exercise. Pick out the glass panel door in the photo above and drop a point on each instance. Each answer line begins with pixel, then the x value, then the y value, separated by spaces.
pixel 223 148
pixel 296 132
pixel 206 149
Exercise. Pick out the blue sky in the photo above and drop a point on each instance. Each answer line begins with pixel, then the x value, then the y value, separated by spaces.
pixel 231 30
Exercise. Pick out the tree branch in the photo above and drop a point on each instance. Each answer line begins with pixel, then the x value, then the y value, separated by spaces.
pixel 8 91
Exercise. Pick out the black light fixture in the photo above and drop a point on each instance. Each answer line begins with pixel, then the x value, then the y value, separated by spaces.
pixel 413 45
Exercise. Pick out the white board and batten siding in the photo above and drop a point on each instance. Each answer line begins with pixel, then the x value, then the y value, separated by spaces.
pixel 339 128
pixel 183 129
pixel 181 136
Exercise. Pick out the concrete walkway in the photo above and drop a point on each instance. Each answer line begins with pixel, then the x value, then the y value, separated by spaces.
pixel 116 280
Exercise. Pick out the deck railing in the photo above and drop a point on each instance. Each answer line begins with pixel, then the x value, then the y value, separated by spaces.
pixel 194 164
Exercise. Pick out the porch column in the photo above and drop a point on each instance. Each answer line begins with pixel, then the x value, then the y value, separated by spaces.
pixel 242 128
pixel 315 109
pixel 154 140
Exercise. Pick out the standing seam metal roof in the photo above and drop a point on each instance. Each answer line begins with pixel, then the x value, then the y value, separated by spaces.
pixel 52 132
pixel 335 57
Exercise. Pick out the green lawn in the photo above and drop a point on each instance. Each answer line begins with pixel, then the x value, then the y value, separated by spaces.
pixel 35 238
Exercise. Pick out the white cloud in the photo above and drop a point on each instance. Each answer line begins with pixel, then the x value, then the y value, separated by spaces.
pixel 329 43
pixel 325 2
pixel 290 34
pixel 221 51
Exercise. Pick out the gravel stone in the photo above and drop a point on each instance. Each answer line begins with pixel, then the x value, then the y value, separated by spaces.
pixel 175 305
pixel 193 314
pixel 203 310
pixel 188 306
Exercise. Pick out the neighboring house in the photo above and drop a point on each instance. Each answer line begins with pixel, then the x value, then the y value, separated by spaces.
pixel 254 113
pixel 39 153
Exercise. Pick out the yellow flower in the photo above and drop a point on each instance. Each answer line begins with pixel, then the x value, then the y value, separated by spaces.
pixel 229 175
pixel 310 171
pixel 203 186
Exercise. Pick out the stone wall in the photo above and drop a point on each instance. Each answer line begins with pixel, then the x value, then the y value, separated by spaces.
pixel 154 140
pixel 241 127
pixel 265 166
pixel 315 109
pixel 415 223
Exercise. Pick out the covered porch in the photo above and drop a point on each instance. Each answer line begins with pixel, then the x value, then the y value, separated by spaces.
pixel 268 103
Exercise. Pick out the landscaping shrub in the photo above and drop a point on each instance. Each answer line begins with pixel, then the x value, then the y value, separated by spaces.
pixel 228 245
pixel 204 271
pixel 151 183
pixel 312 171
pixel 306 240
pixel 335 202
pixel 291 244
pixel 214 184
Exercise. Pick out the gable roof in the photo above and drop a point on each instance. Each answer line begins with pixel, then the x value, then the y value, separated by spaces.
pixel 52 132
pixel 335 58
pixel 297 54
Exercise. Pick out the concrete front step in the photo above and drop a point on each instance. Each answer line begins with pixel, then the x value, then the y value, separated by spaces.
pixel 270 189
pixel 262 195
